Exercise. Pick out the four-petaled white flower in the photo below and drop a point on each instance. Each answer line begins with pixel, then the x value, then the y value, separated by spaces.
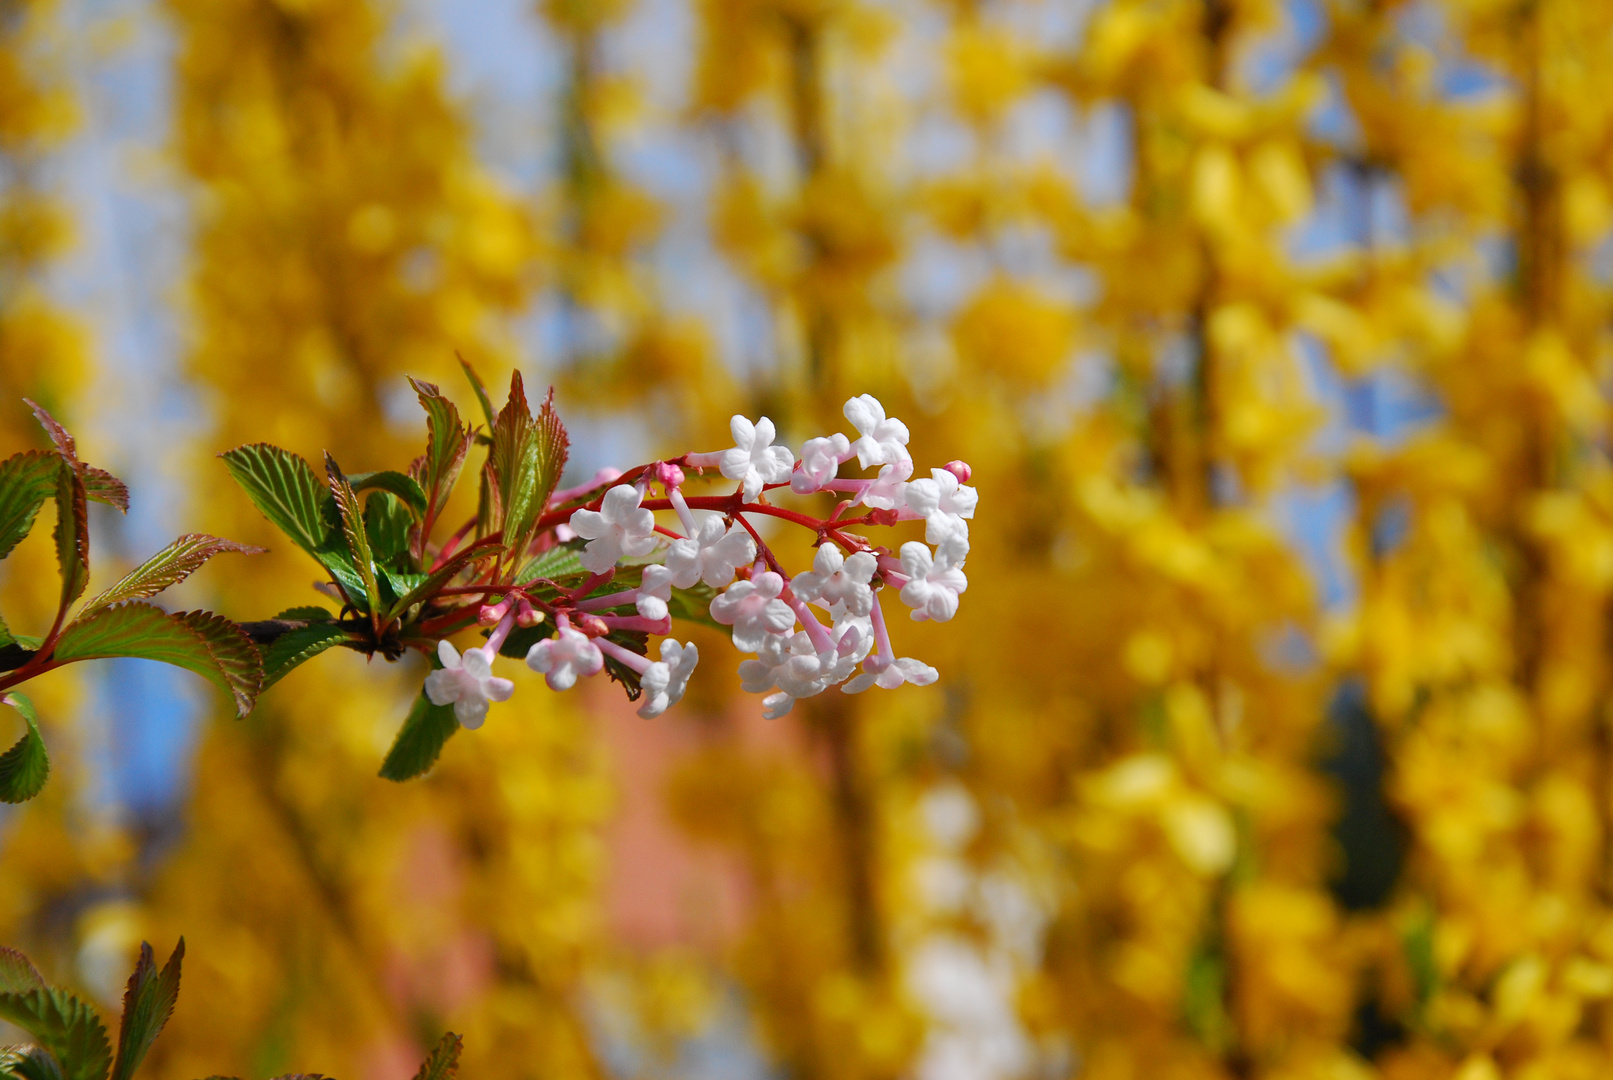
pixel 565 656
pixel 881 440
pixel 754 610
pixel 798 669
pixel 934 583
pixel 665 680
pixel 888 491
pixel 654 591
pixel 892 675
pixel 467 682
pixel 710 555
pixel 836 579
pixel 820 463
pixel 943 503
pixel 619 527
pixel 753 460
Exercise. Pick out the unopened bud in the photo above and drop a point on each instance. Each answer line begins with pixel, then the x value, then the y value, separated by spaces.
pixel 592 625
pixel 667 475
pixel 527 615
pixel 493 614
pixel 960 469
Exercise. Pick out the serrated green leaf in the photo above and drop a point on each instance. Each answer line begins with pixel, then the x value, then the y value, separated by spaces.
pixel 66 1027
pixel 339 565
pixel 72 532
pixel 26 481
pixel 558 562
pixel 31 1063
pixel 443 1064
pixel 168 567
pixel 25 766
pixel 198 641
pixel 148 1002
pixel 404 487
pixel 103 487
pixel 17 974
pixel 477 385
pixel 420 740
pixel 285 490
pixel 358 542
pixel 447 442
pixel 295 647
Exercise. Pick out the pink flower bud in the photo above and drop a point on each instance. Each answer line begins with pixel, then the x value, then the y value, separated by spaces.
pixel 493 614
pixel 960 469
pixel 527 615
pixel 592 625
pixel 667 475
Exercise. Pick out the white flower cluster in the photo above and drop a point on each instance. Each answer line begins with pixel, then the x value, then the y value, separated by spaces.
pixel 795 655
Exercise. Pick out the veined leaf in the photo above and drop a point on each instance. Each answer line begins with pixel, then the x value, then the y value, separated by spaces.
pixel 387 523
pixel 447 442
pixel 285 490
pixel 558 562
pixel 170 566
pixel 26 481
pixel 103 487
pixel 294 647
pixel 72 532
pixel 554 448
pixel 694 605
pixel 443 1064
pixel 28 1063
pixel 148 1002
pixel 358 542
pixel 198 641
pixel 404 487
pixel 477 385
pixel 17 975
pixel 420 740
pixel 23 768
pixel 65 1027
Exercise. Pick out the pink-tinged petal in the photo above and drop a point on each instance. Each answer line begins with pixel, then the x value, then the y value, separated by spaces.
pixel 589 524
pixel 448 655
pixel 470 711
pixel 499 689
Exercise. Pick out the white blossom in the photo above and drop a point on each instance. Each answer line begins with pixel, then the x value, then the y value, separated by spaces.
pixel 944 504
pixel 753 460
pixel 882 440
pixel 753 609
pixel 892 675
pixel 619 527
pixel 711 555
pixel 467 682
pixel 565 656
pixel 934 583
pixel 654 591
pixel 820 463
pixel 888 491
pixel 798 668
pixel 836 579
pixel 665 680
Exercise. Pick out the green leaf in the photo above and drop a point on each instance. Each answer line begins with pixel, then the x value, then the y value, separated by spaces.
pixel 420 740
pixel 295 647
pixel 23 768
pixel 558 562
pixel 307 614
pixel 148 1002
pixel 404 487
pixel 285 490
pixel 26 481
pixel 170 566
pixel 480 388
pixel 694 605
pixel 103 487
pixel 387 522
pixel 443 1064
pixel 358 542
pixel 527 457
pixel 17 975
pixel 65 1027
pixel 32 1063
pixel 447 442
pixel 198 641
pixel 72 532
